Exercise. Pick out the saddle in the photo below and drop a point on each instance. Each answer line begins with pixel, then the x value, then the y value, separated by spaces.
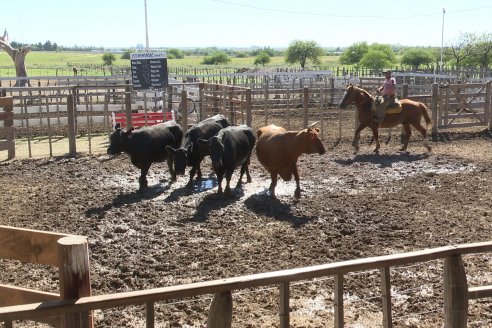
pixel 392 108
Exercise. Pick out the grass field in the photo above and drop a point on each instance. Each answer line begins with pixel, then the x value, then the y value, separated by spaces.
pixel 49 63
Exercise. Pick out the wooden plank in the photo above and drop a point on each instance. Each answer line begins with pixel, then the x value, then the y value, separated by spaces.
pixel 6 116
pixel 12 295
pixel 6 102
pixel 29 245
pixel 386 297
pixel 480 292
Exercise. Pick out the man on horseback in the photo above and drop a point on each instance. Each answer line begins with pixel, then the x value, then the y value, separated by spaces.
pixel 388 91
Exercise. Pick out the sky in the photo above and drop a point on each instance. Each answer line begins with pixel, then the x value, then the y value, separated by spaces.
pixel 242 23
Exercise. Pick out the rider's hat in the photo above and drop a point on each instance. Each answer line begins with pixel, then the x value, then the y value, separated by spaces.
pixel 387 71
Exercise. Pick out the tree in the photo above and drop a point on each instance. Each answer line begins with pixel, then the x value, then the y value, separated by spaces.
pixel 216 58
pixel 302 51
pixel 481 51
pixel 175 53
pixel 461 49
pixel 262 59
pixel 416 57
pixel 18 56
pixel 353 54
pixel 108 59
pixel 378 57
pixel 126 54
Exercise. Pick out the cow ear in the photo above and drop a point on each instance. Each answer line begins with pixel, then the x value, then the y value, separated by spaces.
pixel 170 150
pixel 202 142
pixel 317 130
pixel 129 131
pixel 117 126
pixel 190 148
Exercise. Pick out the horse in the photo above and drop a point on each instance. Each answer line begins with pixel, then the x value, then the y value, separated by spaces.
pixel 410 115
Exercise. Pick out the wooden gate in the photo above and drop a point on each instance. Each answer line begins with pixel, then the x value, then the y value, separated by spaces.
pixel 464 105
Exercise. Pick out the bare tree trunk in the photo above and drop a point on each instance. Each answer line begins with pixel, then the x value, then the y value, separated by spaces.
pixel 18 56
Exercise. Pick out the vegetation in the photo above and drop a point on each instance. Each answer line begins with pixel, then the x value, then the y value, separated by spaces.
pixel 218 57
pixel 416 57
pixel 353 54
pixel 262 59
pixel 108 59
pixel 302 51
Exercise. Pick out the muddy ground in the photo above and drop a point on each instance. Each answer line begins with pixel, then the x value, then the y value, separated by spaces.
pixel 352 206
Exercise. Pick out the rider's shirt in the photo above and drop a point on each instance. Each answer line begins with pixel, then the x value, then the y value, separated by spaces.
pixel 389 87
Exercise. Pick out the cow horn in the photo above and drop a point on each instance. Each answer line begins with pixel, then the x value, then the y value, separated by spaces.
pixel 313 124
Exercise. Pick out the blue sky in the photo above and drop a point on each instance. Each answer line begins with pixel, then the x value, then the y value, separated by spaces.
pixel 242 23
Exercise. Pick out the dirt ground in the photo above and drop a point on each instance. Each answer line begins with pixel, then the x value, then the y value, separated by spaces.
pixel 352 206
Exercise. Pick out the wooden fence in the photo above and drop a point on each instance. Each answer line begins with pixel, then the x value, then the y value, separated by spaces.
pixel 83 111
pixel 7 130
pixel 69 253
pixel 456 290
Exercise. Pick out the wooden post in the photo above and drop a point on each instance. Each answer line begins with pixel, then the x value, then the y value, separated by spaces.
pixel 455 293
pixel 220 314
pixel 73 257
pixel 200 100
pixel 338 303
pixel 405 91
pixel 149 313
pixel 287 109
pixel 386 297
pixel 8 125
pixel 184 110
pixel 332 90
pixel 249 117
pixel 72 145
pixel 284 305
pixel 305 106
pixel 435 101
pixel 128 105
pixel 488 103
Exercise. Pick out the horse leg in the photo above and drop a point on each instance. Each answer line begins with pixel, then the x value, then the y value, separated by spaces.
pixel 375 135
pixel 423 132
pixel 355 142
pixel 408 134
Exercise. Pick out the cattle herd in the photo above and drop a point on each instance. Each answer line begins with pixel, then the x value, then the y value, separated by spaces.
pixel 229 147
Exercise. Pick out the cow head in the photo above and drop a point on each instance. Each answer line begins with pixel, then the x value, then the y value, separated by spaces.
pixel 181 158
pixel 311 141
pixel 118 140
pixel 215 147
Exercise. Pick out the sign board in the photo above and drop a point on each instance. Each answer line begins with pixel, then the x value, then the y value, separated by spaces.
pixel 149 70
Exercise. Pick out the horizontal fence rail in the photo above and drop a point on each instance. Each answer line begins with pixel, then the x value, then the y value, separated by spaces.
pixel 456 291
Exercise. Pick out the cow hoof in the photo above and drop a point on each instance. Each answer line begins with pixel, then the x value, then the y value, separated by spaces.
pixel 297 194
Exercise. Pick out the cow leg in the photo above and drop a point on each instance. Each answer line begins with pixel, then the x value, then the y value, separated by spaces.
pixel 297 193
pixel 142 181
pixel 219 182
pixel 273 184
pixel 227 190
pixel 192 174
pixel 170 161
pixel 244 168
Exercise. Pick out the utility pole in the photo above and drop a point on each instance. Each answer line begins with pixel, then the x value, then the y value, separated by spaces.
pixel 147 29
pixel 442 37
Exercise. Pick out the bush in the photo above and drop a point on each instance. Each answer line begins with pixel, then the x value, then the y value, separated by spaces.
pixel 216 58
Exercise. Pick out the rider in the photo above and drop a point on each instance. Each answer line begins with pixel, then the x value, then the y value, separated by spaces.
pixel 388 90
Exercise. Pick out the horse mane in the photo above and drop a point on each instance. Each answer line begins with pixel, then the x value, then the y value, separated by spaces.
pixel 367 94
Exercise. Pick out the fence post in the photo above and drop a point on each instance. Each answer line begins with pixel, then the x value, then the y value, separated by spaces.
pixel 405 91
pixel 201 98
pixel 75 282
pixel 249 117
pixel 488 103
pixel 455 293
pixel 435 101
pixel 305 106
pixel 338 303
pixel 8 124
pixel 72 145
pixel 184 110
pixel 128 105
pixel 284 305
pixel 220 314
pixel 386 297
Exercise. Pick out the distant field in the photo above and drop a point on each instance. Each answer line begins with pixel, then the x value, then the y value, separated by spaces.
pixel 41 63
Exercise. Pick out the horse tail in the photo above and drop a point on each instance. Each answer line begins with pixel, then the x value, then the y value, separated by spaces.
pixel 423 110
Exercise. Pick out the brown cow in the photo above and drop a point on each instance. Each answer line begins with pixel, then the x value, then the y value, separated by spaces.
pixel 278 149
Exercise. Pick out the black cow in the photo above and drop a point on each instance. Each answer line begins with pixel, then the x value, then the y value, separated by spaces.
pixel 146 146
pixel 231 148
pixel 190 153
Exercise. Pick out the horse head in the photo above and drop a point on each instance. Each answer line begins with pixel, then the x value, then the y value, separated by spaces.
pixel 355 95
pixel 348 97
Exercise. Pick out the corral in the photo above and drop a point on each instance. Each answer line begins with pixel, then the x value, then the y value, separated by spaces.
pixel 353 206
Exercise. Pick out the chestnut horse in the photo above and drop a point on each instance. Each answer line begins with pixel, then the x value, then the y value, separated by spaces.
pixel 410 114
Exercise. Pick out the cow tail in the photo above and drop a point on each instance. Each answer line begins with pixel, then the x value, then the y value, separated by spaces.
pixel 423 110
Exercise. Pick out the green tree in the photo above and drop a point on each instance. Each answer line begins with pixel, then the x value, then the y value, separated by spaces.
pixel 108 59
pixel 126 54
pixel 302 51
pixel 216 58
pixel 353 54
pixel 416 57
pixel 461 48
pixel 378 57
pixel 481 51
pixel 262 59
pixel 175 53
pixel 241 54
